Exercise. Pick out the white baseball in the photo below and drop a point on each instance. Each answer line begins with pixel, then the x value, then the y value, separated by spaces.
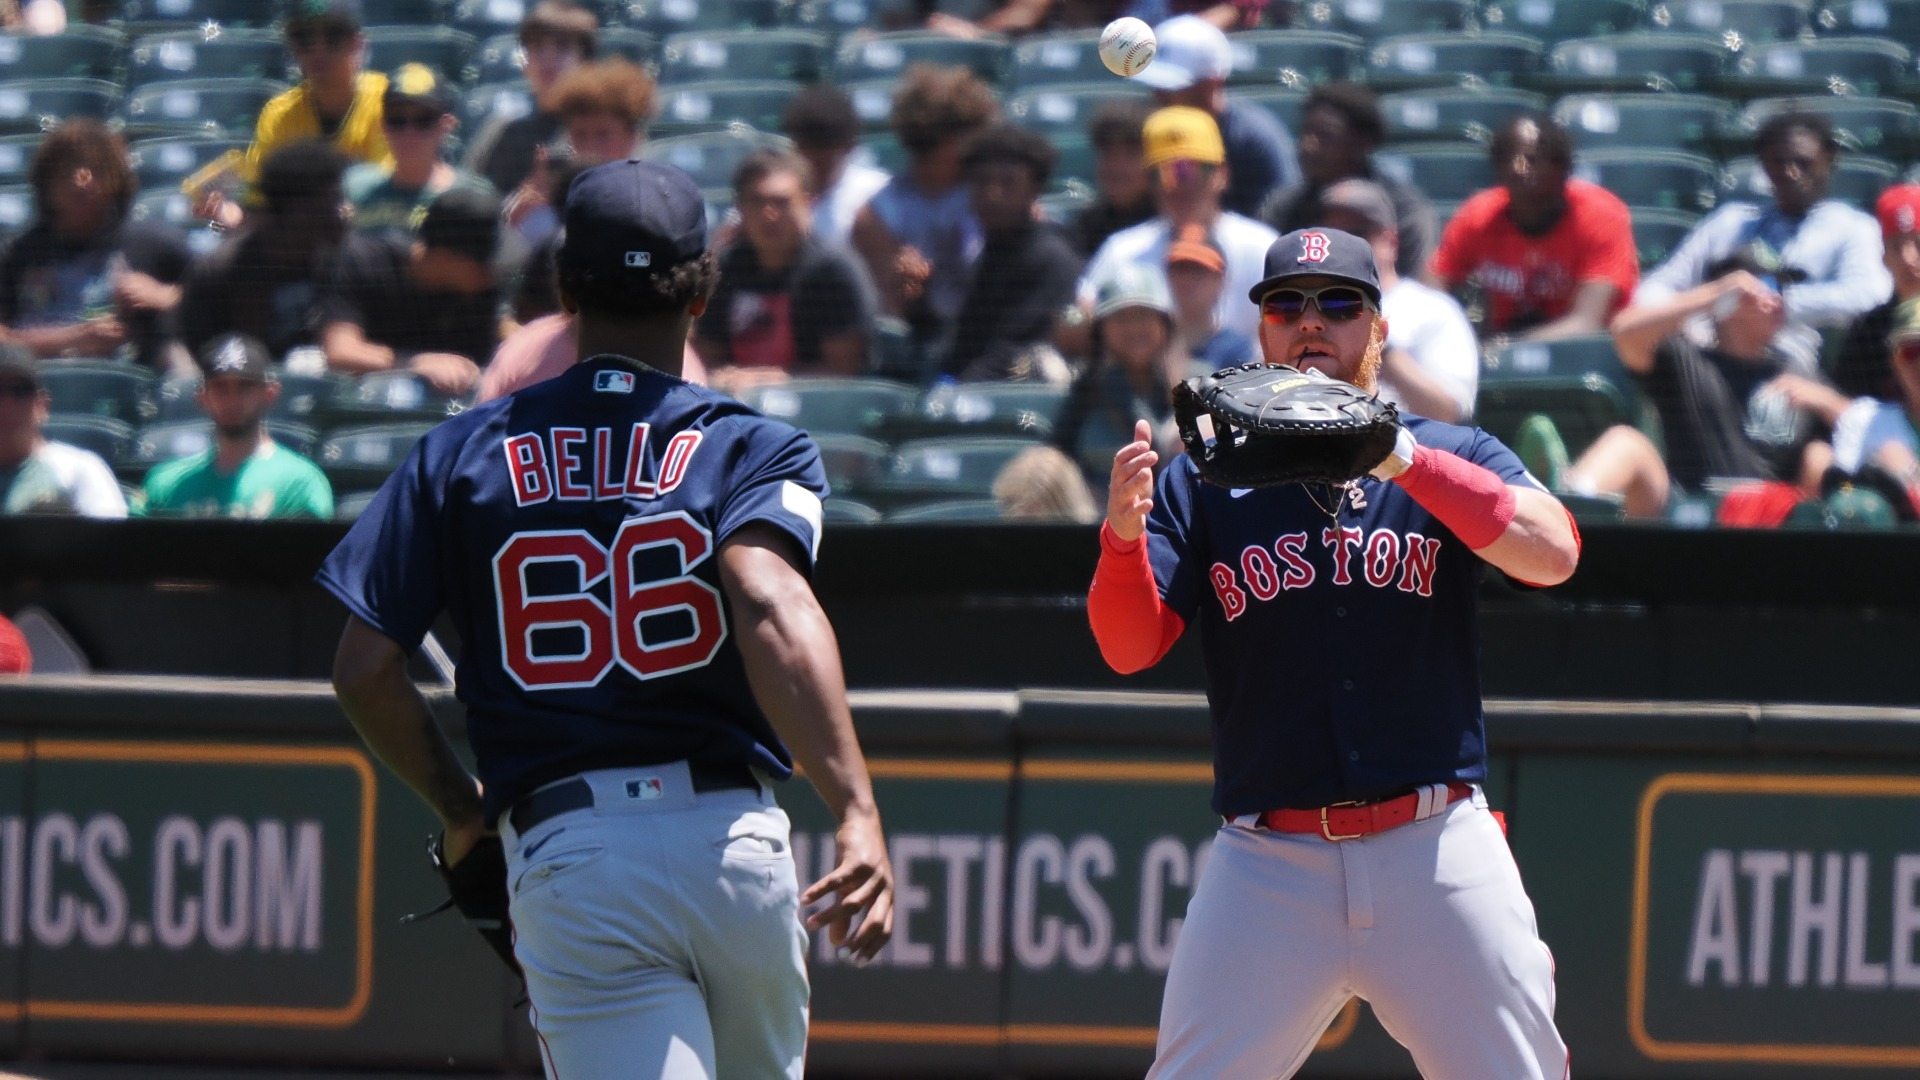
pixel 1127 46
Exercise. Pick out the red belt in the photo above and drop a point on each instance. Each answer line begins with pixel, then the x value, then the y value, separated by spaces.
pixel 1350 821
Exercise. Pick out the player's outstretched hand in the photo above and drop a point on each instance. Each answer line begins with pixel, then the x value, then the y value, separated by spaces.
pixel 861 885
pixel 1130 490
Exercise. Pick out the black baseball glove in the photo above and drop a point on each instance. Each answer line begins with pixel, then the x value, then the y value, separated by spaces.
pixel 477 887
pixel 1274 424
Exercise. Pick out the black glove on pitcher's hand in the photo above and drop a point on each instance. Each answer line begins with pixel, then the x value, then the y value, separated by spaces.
pixel 1274 424
pixel 477 886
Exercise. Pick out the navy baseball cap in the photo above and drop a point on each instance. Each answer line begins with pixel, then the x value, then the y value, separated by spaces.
pixel 1319 252
pixel 632 217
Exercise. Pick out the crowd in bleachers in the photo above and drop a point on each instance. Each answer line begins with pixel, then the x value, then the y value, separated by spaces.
pixel 1663 248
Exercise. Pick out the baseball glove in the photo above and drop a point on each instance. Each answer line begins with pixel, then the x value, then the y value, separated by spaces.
pixel 477 887
pixel 1274 424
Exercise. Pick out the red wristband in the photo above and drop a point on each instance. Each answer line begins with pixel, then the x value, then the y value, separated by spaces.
pixel 1467 498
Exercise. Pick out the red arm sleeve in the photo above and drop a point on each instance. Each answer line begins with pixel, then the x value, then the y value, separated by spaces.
pixel 1133 626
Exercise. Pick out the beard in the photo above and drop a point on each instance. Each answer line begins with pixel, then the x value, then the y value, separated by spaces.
pixel 1367 376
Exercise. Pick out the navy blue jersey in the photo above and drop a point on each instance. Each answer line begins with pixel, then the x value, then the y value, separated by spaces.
pixel 571 531
pixel 1342 655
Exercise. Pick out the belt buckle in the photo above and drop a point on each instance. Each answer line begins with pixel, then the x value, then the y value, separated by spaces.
pixel 1327 831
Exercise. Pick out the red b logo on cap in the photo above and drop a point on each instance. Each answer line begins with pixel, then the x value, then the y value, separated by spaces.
pixel 1313 247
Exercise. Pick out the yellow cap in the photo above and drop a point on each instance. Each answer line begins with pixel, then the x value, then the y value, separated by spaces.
pixel 1182 133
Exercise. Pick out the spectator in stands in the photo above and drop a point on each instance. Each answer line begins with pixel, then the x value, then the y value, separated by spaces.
pixel 1014 17
pixel 786 303
pixel 1191 68
pixel 1874 438
pixel 37 475
pixel 1340 129
pixel 1864 366
pixel 1196 278
pixel 16 658
pixel 268 280
pixel 85 279
pixel 604 108
pixel 431 303
pixel 557 36
pixel 244 474
pixel 1185 159
pixel 1027 269
pixel 1041 484
pixel 825 130
pixel 1552 256
pixel 546 347
pixel 1722 410
pixel 1137 359
pixel 1833 252
pixel 1431 364
pixel 417 114
pixel 1123 195
pixel 918 234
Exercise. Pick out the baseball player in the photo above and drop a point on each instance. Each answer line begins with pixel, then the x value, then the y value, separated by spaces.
pixel 626 559
pixel 1341 638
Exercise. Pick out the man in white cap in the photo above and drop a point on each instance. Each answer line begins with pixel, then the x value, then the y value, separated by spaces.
pixel 1191 68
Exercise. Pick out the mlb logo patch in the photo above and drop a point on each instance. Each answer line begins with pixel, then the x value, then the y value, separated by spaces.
pixel 646 788
pixel 613 382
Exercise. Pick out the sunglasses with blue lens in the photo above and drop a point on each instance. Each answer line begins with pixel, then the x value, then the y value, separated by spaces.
pixel 1337 303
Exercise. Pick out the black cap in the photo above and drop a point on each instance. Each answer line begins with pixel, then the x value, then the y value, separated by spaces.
pixel 235 354
pixel 17 361
pixel 632 217
pixel 1319 252
pixel 465 221
pixel 306 12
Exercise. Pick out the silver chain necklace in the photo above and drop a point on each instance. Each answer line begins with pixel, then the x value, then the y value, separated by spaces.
pixel 1339 503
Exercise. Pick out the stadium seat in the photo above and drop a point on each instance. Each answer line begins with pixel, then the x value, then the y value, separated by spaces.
pixel 1857 179
pixel 1374 19
pixel 872 102
pixel 83 52
pixel 1643 61
pixel 663 17
pixel 713 105
pixel 16 156
pixel 1296 58
pixel 195 54
pixel 852 462
pixel 1286 104
pixel 1739 24
pixel 838 510
pixel 961 467
pixel 833 406
pixel 977 409
pixel 389 395
pixel 498 59
pixel 1067 57
pixel 886 56
pixel 1895 20
pixel 1882 127
pixel 1076 163
pixel 29 105
pixel 1444 171
pixel 1657 232
pixel 362 457
pixel 404 12
pixel 1411 61
pixel 709 158
pixel 228 107
pixel 160 16
pixel 1658 121
pixel 16 209
pixel 1061 207
pixel 350 506
pixel 1580 406
pixel 162 163
pixel 946 511
pixel 1560 20
pixel 441 48
pixel 165 441
pixel 176 209
pixel 1572 357
pixel 174 399
pixel 305 399
pixel 837 17
pixel 484 18
pixel 637 46
pixel 1472 115
pixel 1056 109
pixel 796 55
pixel 505 100
pixel 99 388
pixel 1868 67
pixel 1662 179
pixel 110 438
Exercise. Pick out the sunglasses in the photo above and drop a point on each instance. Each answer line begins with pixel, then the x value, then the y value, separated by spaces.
pixel 1181 171
pixel 1337 303
pixel 333 38
pixel 22 391
pixel 412 122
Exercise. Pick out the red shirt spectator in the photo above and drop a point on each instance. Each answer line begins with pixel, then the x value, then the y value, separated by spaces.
pixel 1530 280
pixel 15 657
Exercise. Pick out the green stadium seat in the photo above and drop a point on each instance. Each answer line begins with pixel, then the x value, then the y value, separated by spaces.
pixel 162 163
pixel 1071 56
pixel 1062 206
pixel 886 56
pixel 1580 406
pixel 709 158
pixel 852 462
pixel 635 45
pixel 1895 20
pixel 1411 61
pixel 386 396
pixel 796 55
pixel 1446 171
pixel 1857 179
pixel 1286 104
pixel 1692 509
pixel 176 209
pixel 1373 19
pixel 713 105
pixel 441 48
pixel 174 399
pixel 1657 232
pixel 838 510
pixel 1867 67
pixel 99 388
pixel 504 100
pixel 1055 109
pixel 1640 61
pixel 193 54
pixel 663 17
pixel 886 152
pixel 1659 121
pixel 833 406
pixel 30 105
pixel 229 107
pixel 1076 162
pixel 350 506
pixel 16 209
pixel 958 467
pixel 160 16
pixel 1467 114
pixel 82 52
pixel 872 102
pixel 305 399
pixel 1295 58
pixel 404 12
pixel 103 435
pixel 837 16
pixel 1560 20
pixel 1663 179
pixel 1882 127
pixel 165 441
pixel 977 409
pixel 16 156
pixel 483 18
pixel 498 59
pixel 946 511
pixel 1565 358
pixel 1740 24
pixel 362 457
